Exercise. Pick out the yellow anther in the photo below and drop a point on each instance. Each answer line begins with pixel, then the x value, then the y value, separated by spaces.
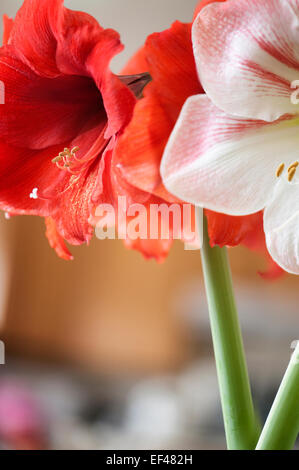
pixel 280 170
pixel 291 173
pixel 294 165
pixel 66 156
pixel 75 150
pixel 57 159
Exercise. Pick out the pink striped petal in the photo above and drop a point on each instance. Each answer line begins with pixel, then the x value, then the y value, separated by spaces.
pixel 224 163
pixel 247 55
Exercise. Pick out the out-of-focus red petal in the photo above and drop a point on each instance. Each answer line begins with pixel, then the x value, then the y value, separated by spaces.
pixel 169 59
pixel 273 271
pixel 7 27
pixel 139 150
pixel 172 67
pixel 151 249
pixel 232 230
pixel 255 241
pixel 40 112
pixel 202 4
pixel 116 186
pixel 56 241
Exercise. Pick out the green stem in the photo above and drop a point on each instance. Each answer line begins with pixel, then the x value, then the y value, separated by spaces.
pixel 240 420
pixel 282 425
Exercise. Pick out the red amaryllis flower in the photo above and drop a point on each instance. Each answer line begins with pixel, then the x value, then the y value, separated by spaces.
pixel 168 57
pixel 64 111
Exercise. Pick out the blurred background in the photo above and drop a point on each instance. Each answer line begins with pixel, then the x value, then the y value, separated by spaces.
pixel 110 351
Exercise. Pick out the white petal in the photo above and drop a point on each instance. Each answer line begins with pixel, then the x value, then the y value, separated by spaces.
pixel 247 55
pixel 223 163
pixel 281 223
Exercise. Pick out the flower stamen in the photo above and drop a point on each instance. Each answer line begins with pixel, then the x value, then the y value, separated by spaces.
pixel 279 170
pixel 64 159
pixel 293 165
pixel 291 173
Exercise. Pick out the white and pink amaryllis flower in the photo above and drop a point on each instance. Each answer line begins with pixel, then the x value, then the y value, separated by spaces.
pixel 235 150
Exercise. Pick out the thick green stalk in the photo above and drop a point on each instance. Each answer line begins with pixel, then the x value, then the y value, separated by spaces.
pixel 241 424
pixel 282 425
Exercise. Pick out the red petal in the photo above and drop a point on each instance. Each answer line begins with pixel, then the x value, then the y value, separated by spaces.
pixel 21 170
pixel 170 62
pixel 78 36
pixel 118 100
pixel 151 249
pixel 52 39
pixel 116 186
pixel 73 43
pixel 56 241
pixel 248 230
pixel 119 103
pixel 44 107
pixel 7 28
pixel 74 196
pixel 168 57
pixel 255 241
pixel 32 35
pixel 75 207
pixel 172 67
pixel 68 199
pixel 40 112
pixel 272 272
pixel 139 150
pixel 232 230
pixel 157 249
